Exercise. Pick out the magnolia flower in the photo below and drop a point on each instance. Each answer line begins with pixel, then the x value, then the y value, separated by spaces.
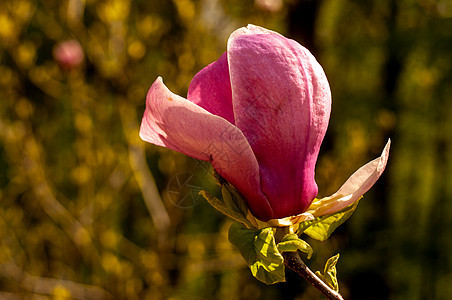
pixel 259 115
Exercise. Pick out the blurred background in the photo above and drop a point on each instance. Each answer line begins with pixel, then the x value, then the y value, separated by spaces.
pixel 89 211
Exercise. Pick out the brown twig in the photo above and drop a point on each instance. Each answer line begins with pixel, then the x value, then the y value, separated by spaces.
pixel 293 261
pixel 142 174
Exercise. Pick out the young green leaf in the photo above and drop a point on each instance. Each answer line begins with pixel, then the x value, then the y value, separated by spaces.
pixel 322 227
pixel 318 274
pixel 330 273
pixel 258 248
pixel 291 242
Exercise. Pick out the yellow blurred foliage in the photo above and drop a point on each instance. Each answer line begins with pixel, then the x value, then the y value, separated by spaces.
pixel 60 293
pixel 7 28
pixel 113 10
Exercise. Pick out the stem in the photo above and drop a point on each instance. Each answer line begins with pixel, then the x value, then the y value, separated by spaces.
pixel 293 261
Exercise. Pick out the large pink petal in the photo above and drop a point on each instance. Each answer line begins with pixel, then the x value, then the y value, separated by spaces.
pixel 282 103
pixel 355 186
pixel 211 89
pixel 172 121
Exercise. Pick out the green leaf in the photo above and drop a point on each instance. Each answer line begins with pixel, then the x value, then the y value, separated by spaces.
pixel 258 248
pixel 330 273
pixel 322 227
pixel 227 207
pixel 291 243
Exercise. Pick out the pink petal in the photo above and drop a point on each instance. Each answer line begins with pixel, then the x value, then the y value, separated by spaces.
pixel 211 89
pixel 282 103
pixel 359 183
pixel 176 123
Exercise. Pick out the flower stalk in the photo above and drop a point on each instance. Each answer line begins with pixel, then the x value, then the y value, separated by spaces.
pixel 293 261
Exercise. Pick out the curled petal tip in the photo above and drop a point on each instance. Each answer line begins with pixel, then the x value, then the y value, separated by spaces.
pixel 355 186
pixel 384 157
pixel 387 146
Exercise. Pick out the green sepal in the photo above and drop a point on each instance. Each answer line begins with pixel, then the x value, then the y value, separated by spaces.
pixel 291 243
pixel 322 227
pixel 258 248
pixel 330 273
pixel 233 200
pixel 230 205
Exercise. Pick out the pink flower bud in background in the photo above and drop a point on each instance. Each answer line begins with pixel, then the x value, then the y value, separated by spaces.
pixel 272 6
pixel 68 54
